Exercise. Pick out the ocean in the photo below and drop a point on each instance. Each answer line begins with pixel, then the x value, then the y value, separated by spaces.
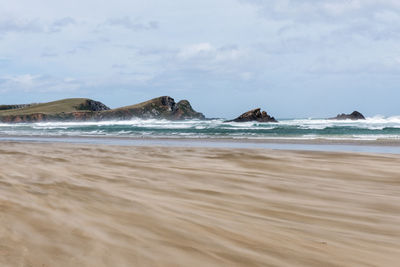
pixel 374 128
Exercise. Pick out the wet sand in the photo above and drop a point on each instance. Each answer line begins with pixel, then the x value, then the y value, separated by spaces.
pixel 99 205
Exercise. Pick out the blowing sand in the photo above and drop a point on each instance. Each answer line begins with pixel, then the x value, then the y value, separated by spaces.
pixel 93 205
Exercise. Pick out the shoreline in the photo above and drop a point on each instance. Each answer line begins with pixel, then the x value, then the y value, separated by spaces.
pixel 363 146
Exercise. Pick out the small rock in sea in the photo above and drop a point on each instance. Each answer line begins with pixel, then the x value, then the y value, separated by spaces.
pixel 254 115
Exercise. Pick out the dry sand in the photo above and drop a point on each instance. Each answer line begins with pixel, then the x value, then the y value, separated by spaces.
pixel 92 205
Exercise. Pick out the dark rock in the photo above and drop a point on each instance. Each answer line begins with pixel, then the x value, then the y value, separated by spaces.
pixel 355 115
pixel 169 102
pixel 254 115
pixel 163 107
pixel 183 110
pixel 92 105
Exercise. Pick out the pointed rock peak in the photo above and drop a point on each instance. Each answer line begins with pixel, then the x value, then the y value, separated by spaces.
pixel 356 114
pixel 184 110
pixel 168 101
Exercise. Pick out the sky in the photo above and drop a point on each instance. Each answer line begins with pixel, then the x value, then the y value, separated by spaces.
pixel 292 58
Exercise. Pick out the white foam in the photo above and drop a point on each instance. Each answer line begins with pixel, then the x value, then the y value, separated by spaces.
pixel 149 128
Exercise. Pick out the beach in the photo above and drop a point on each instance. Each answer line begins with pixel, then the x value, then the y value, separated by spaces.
pixel 64 204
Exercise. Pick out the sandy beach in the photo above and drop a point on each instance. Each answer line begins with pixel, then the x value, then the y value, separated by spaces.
pixel 104 205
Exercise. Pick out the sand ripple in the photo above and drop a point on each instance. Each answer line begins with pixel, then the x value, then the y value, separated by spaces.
pixel 88 205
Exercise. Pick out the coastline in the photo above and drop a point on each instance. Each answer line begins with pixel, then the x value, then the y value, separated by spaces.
pixel 69 204
pixel 320 144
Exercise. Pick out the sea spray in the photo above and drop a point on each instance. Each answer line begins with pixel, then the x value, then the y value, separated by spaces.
pixel 373 128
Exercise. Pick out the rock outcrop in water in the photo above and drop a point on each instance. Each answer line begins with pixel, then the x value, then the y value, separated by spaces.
pixel 355 115
pixel 254 115
pixel 81 109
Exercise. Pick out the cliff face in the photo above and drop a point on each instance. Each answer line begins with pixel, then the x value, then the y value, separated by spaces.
pixel 86 109
pixel 92 105
pixel 41 117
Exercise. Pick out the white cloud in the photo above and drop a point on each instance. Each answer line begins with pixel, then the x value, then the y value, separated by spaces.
pixel 246 76
pixel 210 58
pixel 372 19
pixel 20 25
pixel 26 80
pixel 309 10
pixel 207 51
pixel 387 16
pixel 196 50
pixel 37 83
pixel 199 45
pixel 61 23
pixel 228 53
pixel 34 25
pixel 132 24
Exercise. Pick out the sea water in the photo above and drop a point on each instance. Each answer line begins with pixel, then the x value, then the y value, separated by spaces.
pixel 374 128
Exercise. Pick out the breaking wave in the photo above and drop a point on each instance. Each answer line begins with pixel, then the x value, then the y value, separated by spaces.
pixel 372 128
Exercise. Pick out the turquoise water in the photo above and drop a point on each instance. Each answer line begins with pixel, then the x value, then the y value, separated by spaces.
pixel 374 128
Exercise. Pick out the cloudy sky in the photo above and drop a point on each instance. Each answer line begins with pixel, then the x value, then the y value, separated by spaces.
pixel 294 58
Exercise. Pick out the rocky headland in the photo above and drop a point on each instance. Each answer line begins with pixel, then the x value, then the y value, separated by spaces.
pixel 82 109
pixel 163 107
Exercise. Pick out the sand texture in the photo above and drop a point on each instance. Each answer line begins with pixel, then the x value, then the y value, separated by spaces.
pixel 98 205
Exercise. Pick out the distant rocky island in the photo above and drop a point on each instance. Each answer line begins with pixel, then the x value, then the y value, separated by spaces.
pixel 83 109
pixel 254 115
pixel 164 107
pixel 355 115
